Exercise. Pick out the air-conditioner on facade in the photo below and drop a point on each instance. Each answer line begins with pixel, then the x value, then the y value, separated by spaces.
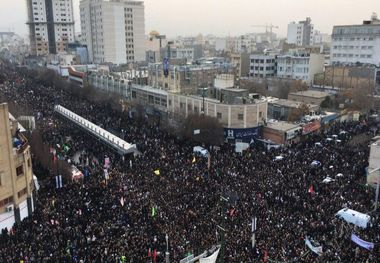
pixel 9 208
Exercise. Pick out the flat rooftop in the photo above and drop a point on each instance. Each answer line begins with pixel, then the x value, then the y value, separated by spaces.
pixel 290 103
pixel 282 126
pixel 311 93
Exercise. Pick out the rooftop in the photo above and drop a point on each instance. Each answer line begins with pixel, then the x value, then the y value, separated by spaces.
pixel 310 93
pixel 282 126
pixel 290 103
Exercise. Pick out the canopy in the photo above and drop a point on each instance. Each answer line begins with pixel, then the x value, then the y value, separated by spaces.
pixel 354 217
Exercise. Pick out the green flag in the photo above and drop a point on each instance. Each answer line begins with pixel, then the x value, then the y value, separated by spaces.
pixel 154 211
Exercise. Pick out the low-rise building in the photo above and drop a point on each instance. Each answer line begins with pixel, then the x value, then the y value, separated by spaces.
pixel 281 109
pixel 308 96
pixel 262 65
pixel 240 121
pixel 16 175
pixel 282 132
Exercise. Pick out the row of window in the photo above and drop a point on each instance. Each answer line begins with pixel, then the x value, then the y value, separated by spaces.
pixel 352 56
pixel 6 201
pixel 262 60
pixel 353 47
pixel 262 68
pixel 352 39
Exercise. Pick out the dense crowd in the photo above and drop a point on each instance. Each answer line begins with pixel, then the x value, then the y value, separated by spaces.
pixel 126 218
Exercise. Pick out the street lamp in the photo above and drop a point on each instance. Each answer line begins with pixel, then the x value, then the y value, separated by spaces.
pixel 167 259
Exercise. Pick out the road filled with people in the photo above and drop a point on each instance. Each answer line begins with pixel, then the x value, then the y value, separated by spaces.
pixel 168 190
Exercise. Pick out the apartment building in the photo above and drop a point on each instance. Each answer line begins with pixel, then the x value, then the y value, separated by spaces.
pixel 51 26
pixel 301 33
pixel 16 175
pixel 262 65
pixel 113 30
pixel 353 44
pixel 300 65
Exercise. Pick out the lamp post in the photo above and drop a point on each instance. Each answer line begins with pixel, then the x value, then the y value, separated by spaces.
pixel 167 259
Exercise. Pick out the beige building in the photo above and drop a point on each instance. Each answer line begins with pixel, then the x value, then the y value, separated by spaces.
pixel 308 96
pixel 16 175
pixel 236 116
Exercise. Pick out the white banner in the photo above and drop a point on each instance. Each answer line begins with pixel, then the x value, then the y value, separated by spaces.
pixel 210 259
pixel 317 250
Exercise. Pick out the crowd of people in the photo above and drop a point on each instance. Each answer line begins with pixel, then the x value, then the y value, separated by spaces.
pixel 127 217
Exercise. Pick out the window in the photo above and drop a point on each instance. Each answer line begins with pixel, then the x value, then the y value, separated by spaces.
pixel 219 115
pixel 260 114
pixel 21 193
pixel 19 170
pixel 1 178
pixel 240 116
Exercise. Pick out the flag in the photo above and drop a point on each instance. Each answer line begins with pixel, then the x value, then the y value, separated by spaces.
pixel 155 255
pixel 66 148
pixel 194 160
pixel 311 189
pixel 122 201
pixel 60 181
pixel 157 172
pixel 154 211
pixel 364 244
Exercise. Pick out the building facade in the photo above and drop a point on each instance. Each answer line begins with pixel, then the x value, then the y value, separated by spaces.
pixel 356 43
pixel 301 33
pixel 113 30
pixel 262 66
pixel 309 96
pixel 184 79
pixel 51 26
pixel 300 65
pixel 16 175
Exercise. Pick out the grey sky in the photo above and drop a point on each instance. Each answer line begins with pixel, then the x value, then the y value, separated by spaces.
pixel 222 17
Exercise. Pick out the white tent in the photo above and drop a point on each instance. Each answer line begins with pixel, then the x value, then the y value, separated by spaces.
pixel 354 217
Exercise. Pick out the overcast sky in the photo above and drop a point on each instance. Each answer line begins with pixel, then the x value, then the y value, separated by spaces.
pixel 221 17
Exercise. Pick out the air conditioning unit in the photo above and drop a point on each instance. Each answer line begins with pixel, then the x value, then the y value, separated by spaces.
pixel 9 208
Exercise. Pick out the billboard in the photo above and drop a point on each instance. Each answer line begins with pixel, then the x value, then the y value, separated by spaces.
pixel 241 134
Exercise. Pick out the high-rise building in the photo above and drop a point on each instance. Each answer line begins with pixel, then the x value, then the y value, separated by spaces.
pixel 301 33
pixel 16 175
pixel 51 26
pixel 113 30
pixel 356 43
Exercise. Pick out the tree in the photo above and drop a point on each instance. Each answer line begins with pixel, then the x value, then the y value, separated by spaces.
pixel 210 130
pixel 296 114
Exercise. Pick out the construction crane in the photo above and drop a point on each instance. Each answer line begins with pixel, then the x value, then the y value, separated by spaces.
pixel 270 26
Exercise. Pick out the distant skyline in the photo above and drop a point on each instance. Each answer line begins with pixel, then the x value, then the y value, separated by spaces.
pixel 221 17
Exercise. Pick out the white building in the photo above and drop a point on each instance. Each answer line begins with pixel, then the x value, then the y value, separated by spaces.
pixel 182 53
pixel 301 33
pixel 356 43
pixel 113 30
pixel 321 38
pixel 300 65
pixel 51 25
pixel 262 65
